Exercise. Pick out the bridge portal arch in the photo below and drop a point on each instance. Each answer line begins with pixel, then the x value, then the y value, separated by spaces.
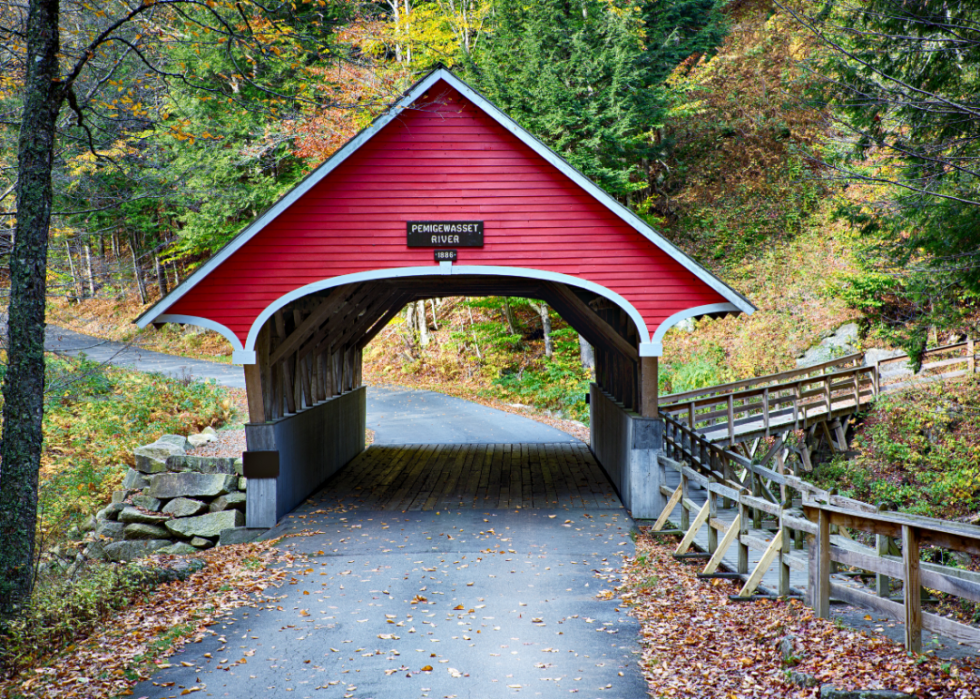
pixel 443 195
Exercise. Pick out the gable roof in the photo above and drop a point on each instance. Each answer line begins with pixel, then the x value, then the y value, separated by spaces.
pixel 408 99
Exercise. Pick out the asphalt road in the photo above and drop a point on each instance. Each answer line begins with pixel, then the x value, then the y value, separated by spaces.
pixel 397 415
pixel 510 609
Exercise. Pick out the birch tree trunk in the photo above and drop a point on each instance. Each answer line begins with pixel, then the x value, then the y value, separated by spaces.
pixel 542 309
pixel 23 383
pixel 423 325
pixel 586 353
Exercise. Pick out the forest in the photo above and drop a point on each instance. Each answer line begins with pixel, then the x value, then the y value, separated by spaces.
pixel 821 158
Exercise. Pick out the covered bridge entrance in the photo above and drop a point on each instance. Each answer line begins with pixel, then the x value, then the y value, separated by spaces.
pixel 443 195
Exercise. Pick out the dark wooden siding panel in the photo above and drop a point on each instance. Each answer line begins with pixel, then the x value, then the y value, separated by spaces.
pixel 445 160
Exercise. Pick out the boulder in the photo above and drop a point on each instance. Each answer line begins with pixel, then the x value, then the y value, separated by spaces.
pixel 110 511
pixel 174 485
pixel 184 507
pixel 133 516
pixel 174 440
pixel 131 550
pixel 198 440
pixel 240 466
pixel 182 463
pixel 146 502
pixel 109 529
pixel 134 480
pixel 152 458
pixel 228 502
pixel 201 543
pixel 89 524
pixel 842 342
pixel 119 496
pixel 242 483
pixel 210 431
pixel 209 525
pixel 95 550
pixel 239 535
pixel 144 531
pixel 178 549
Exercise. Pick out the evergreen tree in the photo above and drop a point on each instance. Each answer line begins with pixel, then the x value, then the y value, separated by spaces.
pixel 903 84
pixel 570 71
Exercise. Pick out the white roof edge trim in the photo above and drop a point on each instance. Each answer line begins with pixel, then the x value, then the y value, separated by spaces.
pixel 222 330
pixel 434 271
pixel 693 312
pixel 634 221
pixel 290 198
pixel 524 136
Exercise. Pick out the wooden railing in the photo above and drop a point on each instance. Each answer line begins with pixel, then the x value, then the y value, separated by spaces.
pixel 793 400
pixel 793 404
pixel 914 574
pixel 757 519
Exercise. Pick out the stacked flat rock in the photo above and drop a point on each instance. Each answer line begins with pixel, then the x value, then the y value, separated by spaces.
pixel 173 502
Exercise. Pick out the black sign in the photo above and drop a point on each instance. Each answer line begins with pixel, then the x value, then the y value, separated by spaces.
pixel 437 234
pixel 445 255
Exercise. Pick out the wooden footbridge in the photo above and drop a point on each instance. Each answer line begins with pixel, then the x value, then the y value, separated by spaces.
pixel 733 461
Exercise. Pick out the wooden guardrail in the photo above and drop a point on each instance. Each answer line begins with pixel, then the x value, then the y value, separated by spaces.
pixel 752 506
pixel 777 525
pixel 793 400
pixel 914 574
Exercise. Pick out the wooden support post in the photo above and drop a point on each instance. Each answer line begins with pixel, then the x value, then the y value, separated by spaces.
pixel 912 589
pixel 971 361
pixel 649 369
pixel 692 531
pixel 726 541
pixel 743 530
pixel 760 570
pixel 731 420
pixel 755 482
pixel 690 416
pixel 821 571
pixel 671 504
pixel 765 410
pixel 712 514
pixel 253 392
pixel 785 539
pixel 685 515
pixel 883 584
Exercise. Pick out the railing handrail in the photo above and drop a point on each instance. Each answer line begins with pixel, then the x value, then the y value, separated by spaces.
pixel 719 399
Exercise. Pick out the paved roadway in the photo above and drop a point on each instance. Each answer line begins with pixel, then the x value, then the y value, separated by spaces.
pixel 510 609
pixel 530 623
pixel 397 415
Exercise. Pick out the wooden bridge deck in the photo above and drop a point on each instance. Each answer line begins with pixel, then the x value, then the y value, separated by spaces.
pixel 487 476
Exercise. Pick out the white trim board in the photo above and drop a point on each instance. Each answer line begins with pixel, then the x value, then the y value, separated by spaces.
pixel 441 270
pixel 411 96
pixel 655 347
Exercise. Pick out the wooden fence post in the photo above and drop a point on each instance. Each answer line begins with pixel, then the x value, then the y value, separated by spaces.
pixel 743 530
pixel 712 514
pixel 821 604
pixel 971 361
pixel 912 589
pixel 685 495
pixel 783 552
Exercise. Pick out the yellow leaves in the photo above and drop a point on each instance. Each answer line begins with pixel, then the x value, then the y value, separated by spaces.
pixel 426 668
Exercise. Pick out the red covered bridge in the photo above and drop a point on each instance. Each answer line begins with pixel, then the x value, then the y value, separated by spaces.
pixel 443 195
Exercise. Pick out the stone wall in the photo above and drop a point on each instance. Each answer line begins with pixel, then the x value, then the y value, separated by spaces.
pixel 172 502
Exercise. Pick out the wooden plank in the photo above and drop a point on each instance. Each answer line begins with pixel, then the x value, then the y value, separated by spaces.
pixel 730 535
pixel 675 498
pixel 912 589
pixel 821 603
pixel 763 565
pixel 588 322
pixel 933 623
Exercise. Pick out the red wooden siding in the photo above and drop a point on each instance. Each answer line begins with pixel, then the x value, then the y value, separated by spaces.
pixel 445 160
